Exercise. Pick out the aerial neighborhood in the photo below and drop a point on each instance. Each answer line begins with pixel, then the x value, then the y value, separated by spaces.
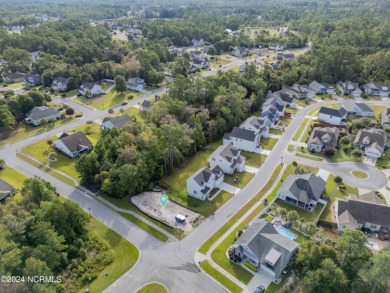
pixel 224 146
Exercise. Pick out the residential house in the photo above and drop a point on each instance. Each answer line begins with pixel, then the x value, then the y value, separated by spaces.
pixel 242 139
pixel 299 91
pixel 13 77
pixel 323 137
pixel 286 56
pixel 263 247
pixel 376 89
pixel 385 118
pixel 73 145
pixel 256 124
pixel 240 52
pixel 203 64
pixel 349 88
pixel 275 66
pixel 135 84
pixel 357 109
pixel 90 89
pixel 278 47
pixel 228 158
pixel 32 80
pixel 333 116
pixel 303 191
pixel 36 114
pixel 59 84
pixel 321 88
pixel 372 141
pixel 119 121
pixel 5 190
pixel 283 98
pixel 146 106
pixel 197 56
pixel 197 42
pixel 35 55
pixel 367 212
pixel 201 184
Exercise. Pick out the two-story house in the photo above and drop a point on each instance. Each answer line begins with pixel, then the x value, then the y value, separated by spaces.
pixel 376 89
pixel 201 184
pixel 333 116
pixel 228 158
pixel 321 88
pixel 323 137
pixel 243 139
pixel 372 141
pixel 32 80
pixel 90 89
pixel 349 89
pixel 60 84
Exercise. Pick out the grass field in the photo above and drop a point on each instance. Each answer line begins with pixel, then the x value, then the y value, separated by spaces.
pixel 23 130
pixel 215 64
pixel 306 215
pixel 15 178
pixel 125 256
pixel 177 188
pixel 132 111
pixel 268 143
pixel 252 31
pixel 153 288
pixel 145 227
pixel 219 277
pixel 253 159
pixel 15 85
pixel 243 179
pixel 108 100
pixel 64 164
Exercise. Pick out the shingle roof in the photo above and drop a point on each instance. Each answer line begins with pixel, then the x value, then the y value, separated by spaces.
pixel 4 186
pixel 60 80
pixel 371 197
pixel 118 121
pixel 87 85
pixel 38 113
pixel 244 134
pixel 375 137
pixel 320 133
pixel 146 104
pixel 365 212
pixel 202 176
pixel 76 141
pixel 226 151
pixel 364 107
pixel 304 187
pixel 333 112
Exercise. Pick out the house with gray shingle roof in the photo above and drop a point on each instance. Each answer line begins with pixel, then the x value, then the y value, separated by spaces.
pixel 372 141
pixel 243 139
pixel 322 137
pixel 119 121
pixel 376 89
pixel 357 109
pixel 349 89
pixel 299 91
pixel 36 114
pixel 321 88
pixel 302 191
pixel 73 145
pixel 256 124
pixel 228 158
pixel 333 116
pixel 5 190
pixel 32 80
pixel 59 84
pixel 13 77
pixel 90 89
pixel 201 184
pixel 263 247
pixel 365 212
pixel 385 118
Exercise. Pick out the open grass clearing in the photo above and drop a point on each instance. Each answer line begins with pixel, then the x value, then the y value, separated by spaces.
pixel 133 111
pixel 153 288
pixel 125 256
pixel 106 101
pixel 64 164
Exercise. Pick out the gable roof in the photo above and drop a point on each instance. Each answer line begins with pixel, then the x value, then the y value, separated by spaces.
pixel 87 85
pixel 377 86
pixel 118 121
pixel 4 186
pixel 76 141
pixel 38 113
pixel 60 80
pixel 365 212
pixel 351 106
pixel 320 133
pixel 304 187
pixel 333 112
pixel 226 151
pixel 371 197
pixel 376 138
pixel 244 134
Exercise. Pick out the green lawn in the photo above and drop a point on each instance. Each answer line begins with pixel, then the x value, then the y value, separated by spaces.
pixel 268 143
pixel 219 277
pixel 243 179
pixel 222 62
pixel 22 130
pixel 132 111
pixel 384 161
pixel 359 174
pixel 153 288
pixel 306 215
pixel 304 103
pixel 290 148
pixel 300 129
pixel 64 164
pixel 145 227
pixel 253 159
pixel 177 187
pixel 325 97
pixel 306 135
pixel 15 178
pixel 125 256
pixel 339 156
pixel 15 85
pixel 108 100
pixel 308 157
pixel 106 85
pixel 276 131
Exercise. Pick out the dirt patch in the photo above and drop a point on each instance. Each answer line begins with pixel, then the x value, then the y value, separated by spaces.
pixel 149 203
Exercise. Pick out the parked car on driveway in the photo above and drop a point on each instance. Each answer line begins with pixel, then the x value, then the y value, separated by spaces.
pixel 260 289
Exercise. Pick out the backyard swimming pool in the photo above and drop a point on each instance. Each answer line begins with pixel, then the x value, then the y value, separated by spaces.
pixel 287 233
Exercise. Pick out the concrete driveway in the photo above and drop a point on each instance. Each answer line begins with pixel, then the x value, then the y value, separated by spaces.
pixel 262 277
pixel 229 188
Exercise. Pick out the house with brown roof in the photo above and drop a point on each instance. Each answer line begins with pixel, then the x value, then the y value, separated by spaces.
pixel 73 145
pixel 372 141
pixel 367 212
pixel 322 137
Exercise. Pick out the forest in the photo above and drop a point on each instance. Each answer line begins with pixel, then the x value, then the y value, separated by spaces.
pixel 44 235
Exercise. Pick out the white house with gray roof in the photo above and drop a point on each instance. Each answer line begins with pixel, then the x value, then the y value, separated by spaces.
pixel 367 212
pixel 322 137
pixel 321 88
pixel 36 114
pixel 299 91
pixel 376 89
pixel 385 118
pixel 357 109
pixel 372 141
pixel 256 124
pixel 90 89
pixel 228 158
pixel 5 190
pixel 333 116
pixel 119 121
pixel 135 84
pixel 303 191
pixel 73 145
pixel 349 89
pixel 263 247
pixel 59 84
pixel 201 184
pixel 243 139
